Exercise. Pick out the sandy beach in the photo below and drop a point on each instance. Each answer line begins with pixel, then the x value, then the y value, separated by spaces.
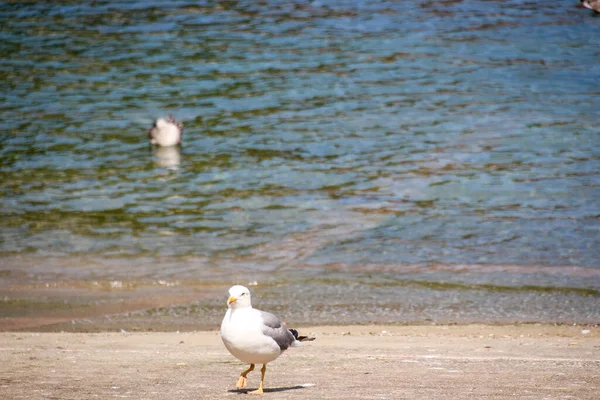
pixel 369 362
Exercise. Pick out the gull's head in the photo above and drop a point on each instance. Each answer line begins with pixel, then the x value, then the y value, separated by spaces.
pixel 239 296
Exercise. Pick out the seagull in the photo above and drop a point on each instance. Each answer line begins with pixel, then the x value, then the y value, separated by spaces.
pixel 254 336
pixel 166 132
pixel 593 5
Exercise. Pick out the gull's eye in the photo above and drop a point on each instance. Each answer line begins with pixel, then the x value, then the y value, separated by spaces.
pixel 243 294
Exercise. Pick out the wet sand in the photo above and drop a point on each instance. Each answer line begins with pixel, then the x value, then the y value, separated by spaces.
pixel 369 362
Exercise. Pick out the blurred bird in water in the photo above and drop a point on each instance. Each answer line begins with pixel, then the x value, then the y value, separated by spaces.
pixel 593 5
pixel 166 132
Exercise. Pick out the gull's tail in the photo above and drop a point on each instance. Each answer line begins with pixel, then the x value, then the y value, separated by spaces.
pixel 301 338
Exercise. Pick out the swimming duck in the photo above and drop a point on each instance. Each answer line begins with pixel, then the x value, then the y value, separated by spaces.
pixel 166 132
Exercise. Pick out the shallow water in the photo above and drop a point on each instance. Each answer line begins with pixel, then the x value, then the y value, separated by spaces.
pixel 407 161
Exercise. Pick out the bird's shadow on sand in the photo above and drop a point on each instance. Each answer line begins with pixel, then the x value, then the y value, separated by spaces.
pixel 269 390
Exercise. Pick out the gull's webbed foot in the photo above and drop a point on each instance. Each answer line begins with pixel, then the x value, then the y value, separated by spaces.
pixel 243 381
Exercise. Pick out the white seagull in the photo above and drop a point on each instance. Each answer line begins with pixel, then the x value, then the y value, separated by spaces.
pixel 166 132
pixel 254 336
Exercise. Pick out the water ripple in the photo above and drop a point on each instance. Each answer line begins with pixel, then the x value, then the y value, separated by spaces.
pixel 421 133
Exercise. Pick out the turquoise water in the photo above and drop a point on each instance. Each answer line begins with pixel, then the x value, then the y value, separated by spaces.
pixel 441 159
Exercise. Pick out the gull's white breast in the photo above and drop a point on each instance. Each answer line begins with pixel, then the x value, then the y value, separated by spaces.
pixel 241 332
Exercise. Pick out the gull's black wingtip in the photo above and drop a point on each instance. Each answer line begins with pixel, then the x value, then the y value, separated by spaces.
pixel 301 338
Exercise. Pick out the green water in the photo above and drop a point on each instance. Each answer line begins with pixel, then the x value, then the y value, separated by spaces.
pixel 450 149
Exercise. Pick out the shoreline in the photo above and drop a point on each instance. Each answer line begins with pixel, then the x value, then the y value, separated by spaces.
pixel 170 309
pixel 62 303
pixel 112 324
pixel 84 294
pixel 368 361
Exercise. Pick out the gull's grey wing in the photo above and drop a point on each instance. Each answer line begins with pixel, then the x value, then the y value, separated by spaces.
pixel 273 328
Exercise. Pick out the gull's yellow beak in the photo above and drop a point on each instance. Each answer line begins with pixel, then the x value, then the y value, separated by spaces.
pixel 231 299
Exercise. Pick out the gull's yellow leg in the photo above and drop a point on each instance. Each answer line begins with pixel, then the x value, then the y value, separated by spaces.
pixel 262 380
pixel 243 381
